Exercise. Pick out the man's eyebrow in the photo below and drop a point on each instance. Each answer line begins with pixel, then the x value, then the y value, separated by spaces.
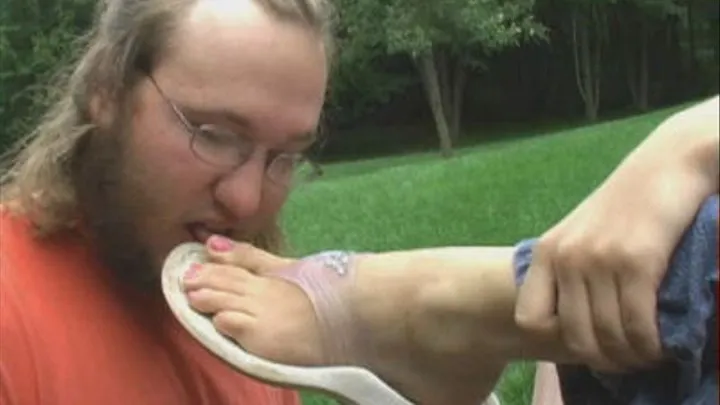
pixel 224 115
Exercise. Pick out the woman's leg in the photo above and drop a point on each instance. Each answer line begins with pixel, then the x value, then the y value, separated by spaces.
pixel 546 390
pixel 437 324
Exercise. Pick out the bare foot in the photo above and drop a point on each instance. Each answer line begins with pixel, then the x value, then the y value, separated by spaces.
pixel 363 318
pixel 270 317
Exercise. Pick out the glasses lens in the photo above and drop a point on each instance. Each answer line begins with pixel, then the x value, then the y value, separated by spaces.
pixel 219 147
pixel 291 170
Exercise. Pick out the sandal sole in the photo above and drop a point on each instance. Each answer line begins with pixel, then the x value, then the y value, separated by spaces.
pixel 348 384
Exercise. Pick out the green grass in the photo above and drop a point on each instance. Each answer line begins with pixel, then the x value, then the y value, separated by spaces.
pixel 496 193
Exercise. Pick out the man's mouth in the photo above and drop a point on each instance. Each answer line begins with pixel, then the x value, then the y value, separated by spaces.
pixel 201 232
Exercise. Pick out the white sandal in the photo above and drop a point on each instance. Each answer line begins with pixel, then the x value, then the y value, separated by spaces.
pixel 348 384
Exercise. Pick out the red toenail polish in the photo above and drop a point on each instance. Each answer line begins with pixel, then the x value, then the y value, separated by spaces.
pixel 220 243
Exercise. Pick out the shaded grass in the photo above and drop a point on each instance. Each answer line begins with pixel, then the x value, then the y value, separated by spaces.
pixel 483 139
pixel 488 194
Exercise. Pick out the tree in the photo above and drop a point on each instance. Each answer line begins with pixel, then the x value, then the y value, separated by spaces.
pixel 360 81
pixel 589 34
pixel 699 19
pixel 639 21
pixel 36 37
pixel 445 39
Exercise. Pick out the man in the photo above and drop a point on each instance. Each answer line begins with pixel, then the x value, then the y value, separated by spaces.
pixel 182 118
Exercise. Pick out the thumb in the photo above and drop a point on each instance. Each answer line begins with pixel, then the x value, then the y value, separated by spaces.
pixel 223 250
pixel 535 310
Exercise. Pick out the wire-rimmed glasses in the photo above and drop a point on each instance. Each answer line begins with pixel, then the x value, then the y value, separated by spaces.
pixel 226 149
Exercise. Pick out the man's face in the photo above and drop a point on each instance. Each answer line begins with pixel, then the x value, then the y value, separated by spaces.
pixel 234 67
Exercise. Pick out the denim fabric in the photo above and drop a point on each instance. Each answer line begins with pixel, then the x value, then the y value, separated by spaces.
pixel 687 320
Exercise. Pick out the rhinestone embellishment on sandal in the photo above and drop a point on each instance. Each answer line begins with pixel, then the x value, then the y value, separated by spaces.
pixel 336 260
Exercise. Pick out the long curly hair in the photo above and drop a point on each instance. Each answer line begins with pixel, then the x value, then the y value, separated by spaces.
pixel 127 38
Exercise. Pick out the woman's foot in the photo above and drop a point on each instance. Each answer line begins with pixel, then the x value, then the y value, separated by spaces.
pixel 322 311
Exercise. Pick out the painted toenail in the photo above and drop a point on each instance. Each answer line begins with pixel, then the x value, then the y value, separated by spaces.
pixel 193 271
pixel 220 243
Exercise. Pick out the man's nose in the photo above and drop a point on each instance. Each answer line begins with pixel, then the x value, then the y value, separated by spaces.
pixel 240 192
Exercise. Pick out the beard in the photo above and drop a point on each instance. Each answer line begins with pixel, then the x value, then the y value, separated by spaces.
pixel 109 211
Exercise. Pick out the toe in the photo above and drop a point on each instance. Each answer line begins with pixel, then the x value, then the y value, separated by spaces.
pixel 210 301
pixel 233 323
pixel 225 251
pixel 218 277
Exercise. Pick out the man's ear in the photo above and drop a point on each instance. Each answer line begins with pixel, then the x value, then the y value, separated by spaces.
pixel 101 110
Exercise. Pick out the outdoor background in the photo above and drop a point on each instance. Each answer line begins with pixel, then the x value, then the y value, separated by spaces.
pixel 448 121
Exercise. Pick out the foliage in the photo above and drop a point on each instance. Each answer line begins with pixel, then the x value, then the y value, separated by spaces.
pixel 501 49
pixel 493 25
pixel 36 38
pixel 443 38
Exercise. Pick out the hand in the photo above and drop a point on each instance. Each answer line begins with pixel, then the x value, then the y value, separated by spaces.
pixel 594 276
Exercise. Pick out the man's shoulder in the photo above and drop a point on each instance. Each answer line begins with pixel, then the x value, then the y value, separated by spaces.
pixel 14 226
pixel 14 229
pixel 32 266
pixel 15 244
pixel 18 259
pixel 21 245
pixel 18 381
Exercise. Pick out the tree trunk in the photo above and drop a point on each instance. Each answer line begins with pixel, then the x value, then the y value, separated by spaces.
pixel 458 93
pixel 715 33
pixel 692 54
pixel 444 79
pixel 451 82
pixel 576 59
pixel 643 99
pixel 451 77
pixel 429 74
pixel 587 63
pixel 599 21
pixel 631 66
pixel 636 60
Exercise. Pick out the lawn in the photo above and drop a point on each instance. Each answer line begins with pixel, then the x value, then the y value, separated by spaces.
pixel 487 194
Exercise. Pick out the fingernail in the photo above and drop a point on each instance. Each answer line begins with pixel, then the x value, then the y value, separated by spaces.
pixel 193 271
pixel 220 243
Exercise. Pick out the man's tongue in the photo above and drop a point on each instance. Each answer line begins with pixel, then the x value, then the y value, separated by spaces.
pixel 202 233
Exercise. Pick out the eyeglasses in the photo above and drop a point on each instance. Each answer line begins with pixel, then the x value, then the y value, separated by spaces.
pixel 227 150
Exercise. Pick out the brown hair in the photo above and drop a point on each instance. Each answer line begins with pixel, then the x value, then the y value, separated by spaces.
pixel 127 39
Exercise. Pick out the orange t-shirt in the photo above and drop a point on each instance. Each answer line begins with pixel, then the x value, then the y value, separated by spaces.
pixel 70 334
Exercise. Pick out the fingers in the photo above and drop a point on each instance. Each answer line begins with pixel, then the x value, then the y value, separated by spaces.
pixel 576 324
pixel 536 305
pixel 607 324
pixel 607 304
pixel 638 300
pixel 225 251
